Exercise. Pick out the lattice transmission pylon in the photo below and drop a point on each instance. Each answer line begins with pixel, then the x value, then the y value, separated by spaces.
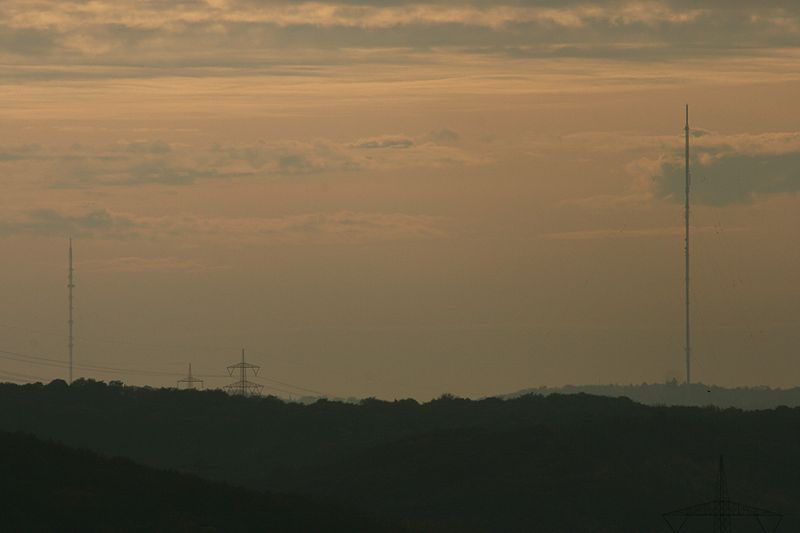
pixel 243 386
pixel 722 510
pixel 190 382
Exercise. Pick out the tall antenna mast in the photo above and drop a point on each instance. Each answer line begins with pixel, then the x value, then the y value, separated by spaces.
pixel 70 286
pixel 686 255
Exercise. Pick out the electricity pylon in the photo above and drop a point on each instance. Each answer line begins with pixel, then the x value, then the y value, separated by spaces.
pixel 722 510
pixel 190 382
pixel 243 387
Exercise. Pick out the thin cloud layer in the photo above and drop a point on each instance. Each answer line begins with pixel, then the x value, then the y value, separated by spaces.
pixel 135 264
pixel 51 222
pixel 732 178
pixel 158 163
pixel 240 33
pixel 734 169
pixel 342 227
pixel 625 233
pixel 726 168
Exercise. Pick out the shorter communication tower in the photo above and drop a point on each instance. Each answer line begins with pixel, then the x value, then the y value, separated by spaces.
pixel 722 510
pixel 243 387
pixel 190 382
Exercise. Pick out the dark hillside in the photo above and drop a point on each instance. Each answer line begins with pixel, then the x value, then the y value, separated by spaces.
pixel 605 476
pixel 673 393
pixel 219 436
pixel 48 487
pixel 534 463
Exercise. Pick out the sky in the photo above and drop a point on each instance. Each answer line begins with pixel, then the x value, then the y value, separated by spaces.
pixel 399 199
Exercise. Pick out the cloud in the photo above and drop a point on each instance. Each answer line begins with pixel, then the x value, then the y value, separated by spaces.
pixel 144 16
pixel 126 163
pixel 26 41
pixel 158 38
pixel 732 169
pixel 732 178
pixel 162 172
pixel 155 147
pixel 288 157
pixel 628 200
pixel 625 233
pixel 378 153
pixel 444 136
pixel 386 141
pixel 86 224
pixel 146 264
pixel 341 227
pixel 726 168
pixel 21 152
pixel 158 163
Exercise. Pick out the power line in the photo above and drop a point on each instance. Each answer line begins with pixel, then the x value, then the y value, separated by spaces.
pixel 57 363
pixel 51 331
pixel 312 391
pixel 285 384
pixel 243 386
pixel 190 382
pixel 9 379
pixel 20 377
pixel 57 333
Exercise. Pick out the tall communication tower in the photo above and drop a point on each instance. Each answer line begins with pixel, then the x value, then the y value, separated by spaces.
pixel 70 286
pixel 686 255
pixel 190 382
pixel 243 387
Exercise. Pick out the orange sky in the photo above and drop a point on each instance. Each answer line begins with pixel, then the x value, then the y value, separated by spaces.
pixel 400 199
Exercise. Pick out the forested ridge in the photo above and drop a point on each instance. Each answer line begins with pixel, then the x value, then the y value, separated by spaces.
pixel 45 486
pixel 674 393
pixel 533 463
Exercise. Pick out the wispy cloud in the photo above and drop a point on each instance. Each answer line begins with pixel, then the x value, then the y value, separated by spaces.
pixel 188 35
pixel 731 169
pixel 49 222
pixel 134 264
pixel 155 162
pixel 380 15
pixel 732 177
pixel 340 227
pixel 385 141
pixel 726 168
pixel 628 233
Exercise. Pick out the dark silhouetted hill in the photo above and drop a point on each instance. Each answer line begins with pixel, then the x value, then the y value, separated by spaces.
pixel 46 486
pixel 534 463
pixel 605 475
pixel 675 394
